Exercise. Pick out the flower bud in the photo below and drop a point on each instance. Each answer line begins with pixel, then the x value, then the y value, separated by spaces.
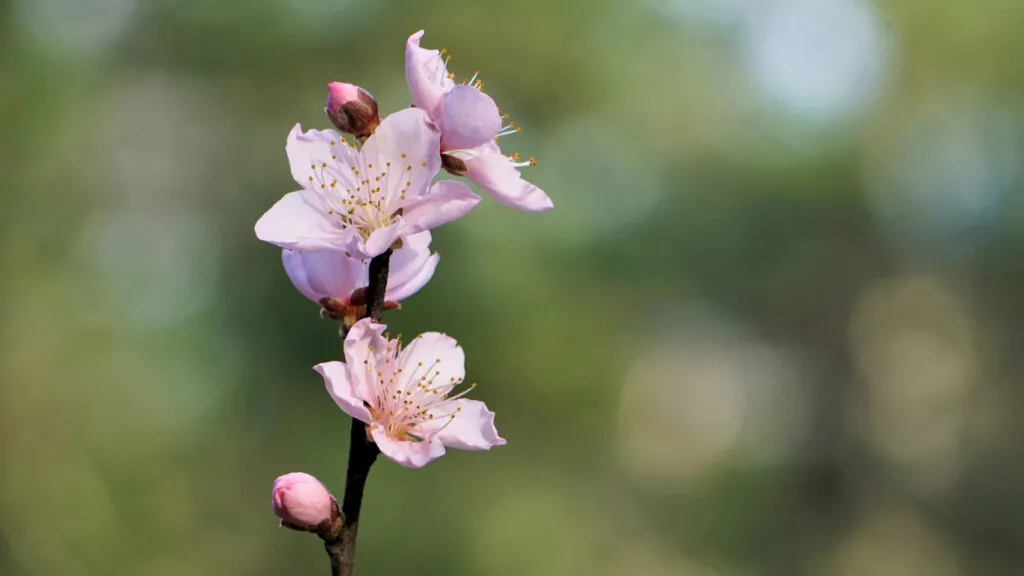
pixel 351 109
pixel 302 502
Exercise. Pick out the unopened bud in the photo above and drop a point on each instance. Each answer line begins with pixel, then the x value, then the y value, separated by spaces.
pixel 303 503
pixel 351 109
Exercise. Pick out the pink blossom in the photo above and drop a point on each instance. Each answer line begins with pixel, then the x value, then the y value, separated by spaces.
pixel 363 201
pixel 301 500
pixel 470 123
pixel 405 395
pixel 320 274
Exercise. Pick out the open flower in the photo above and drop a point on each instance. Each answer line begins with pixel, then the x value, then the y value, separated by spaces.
pixel 363 201
pixel 405 395
pixel 336 280
pixel 470 124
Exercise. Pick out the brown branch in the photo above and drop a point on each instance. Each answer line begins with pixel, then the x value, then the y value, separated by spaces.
pixel 341 544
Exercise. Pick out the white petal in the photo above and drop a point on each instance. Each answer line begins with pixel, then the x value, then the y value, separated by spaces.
pixel 348 393
pixel 408 260
pixel 448 200
pixel 427 75
pixel 295 224
pixel 363 342
pixel 407 453
pixel 403 290
pixel 471 429
pixel 309 151
pixel 412 146
pixel 497 175
pixel 439 353
pixel 380 240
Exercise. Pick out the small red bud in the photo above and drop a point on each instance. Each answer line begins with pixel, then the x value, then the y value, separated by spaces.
pixel 351 109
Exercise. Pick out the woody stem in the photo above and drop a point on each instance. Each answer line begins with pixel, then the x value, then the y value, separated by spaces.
pixel 362 451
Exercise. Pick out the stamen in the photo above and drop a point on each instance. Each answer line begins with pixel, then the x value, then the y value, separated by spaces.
pixel 508 130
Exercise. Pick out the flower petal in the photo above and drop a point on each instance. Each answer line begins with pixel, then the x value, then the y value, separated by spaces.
pixel 440 352
pixel 400 291
pixel 469 118
pixel 448 200
pixel 346 393
pixel 407 453
pixel 380 240
pixel 497 175
pixel 309 151
pixel 427 75
pixel 332 273
pixel 408 150
pixel 471 429
pixel 408 260
pixel 362 340
pixel 294 223
pixel 296 271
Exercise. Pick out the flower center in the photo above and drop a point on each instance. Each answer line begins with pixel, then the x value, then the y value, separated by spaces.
pixel 361 195
pixel 413 400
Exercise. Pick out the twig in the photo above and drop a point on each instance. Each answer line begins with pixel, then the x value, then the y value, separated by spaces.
pixel 341 545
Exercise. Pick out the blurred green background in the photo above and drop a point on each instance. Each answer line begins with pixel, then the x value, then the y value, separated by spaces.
pixel 773 326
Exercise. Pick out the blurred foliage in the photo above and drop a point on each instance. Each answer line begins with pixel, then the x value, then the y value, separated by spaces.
pixel 771 328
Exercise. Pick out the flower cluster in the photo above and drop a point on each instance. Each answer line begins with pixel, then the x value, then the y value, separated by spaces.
pixel 368 190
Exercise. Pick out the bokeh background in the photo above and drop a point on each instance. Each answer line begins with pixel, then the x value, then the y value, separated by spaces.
pixel 772 328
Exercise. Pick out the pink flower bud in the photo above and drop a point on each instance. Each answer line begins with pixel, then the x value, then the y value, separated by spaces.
pixel 301 501
pixel 351 109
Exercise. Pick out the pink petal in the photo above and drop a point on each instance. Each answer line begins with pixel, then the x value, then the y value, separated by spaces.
pixel 412 146
pixel 427 75
pixel 408 260
pixel 380 240
pixel 407 453
pixel 295 224
pixel 361 337
pixel 472 429
pixel 495 173
pixel 361 344
pixel 313 149
pixel 332 273
pixel 348 395
pixel 296 271
pixel 437 350
pixel 401 291
pixel 448 200
pixel 469 119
